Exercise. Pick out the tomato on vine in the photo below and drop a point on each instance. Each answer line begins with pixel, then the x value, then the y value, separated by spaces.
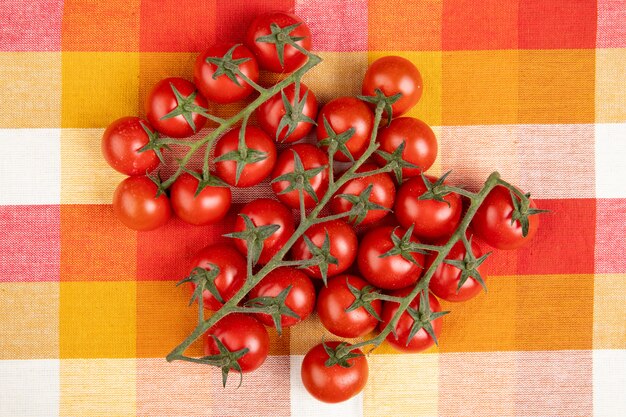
pixel 208 206
pixel 136 205
pixel 121 144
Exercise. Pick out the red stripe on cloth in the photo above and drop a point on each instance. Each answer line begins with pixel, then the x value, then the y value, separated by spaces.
pixel 610 250
pixel 234 17
pixel 30 25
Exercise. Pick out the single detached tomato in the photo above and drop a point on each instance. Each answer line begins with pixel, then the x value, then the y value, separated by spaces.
pixel 333 301
pixel 493 220
pixel 232 272
pixel 300 299
pixel 445 281
pixel 299 118
pixel 392 75
pixel 174 106
pixel 258 144
pixel 239 331
pixel 209 206
pixel 311 157
pixel 421 340
pixel 343 246
pixel 432 220
pixel 343 114
pixel 220 60
pixel 334 383
pixel 389 272
pixel 420 144
pixel 265 211
pixel 266 41
pixel 136 205
pixel 121 143
pixel 383 193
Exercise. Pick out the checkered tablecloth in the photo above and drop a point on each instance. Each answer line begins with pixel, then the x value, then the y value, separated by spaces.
pixel 88 309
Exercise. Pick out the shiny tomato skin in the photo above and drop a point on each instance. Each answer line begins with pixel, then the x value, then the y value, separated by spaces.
pixel 422 340
pixel 223 90
pixel 238 331
pixel 135 204
pixel 208 207
pixel 272 111
pixel 343 246
pixel 391 272
pixel 232 275
pixel 266 52
pixel 161 101
pixel 334 299
pixel 383 193
pixel 301 297
pixel 121 142
pixel 254 173
pixel 420 144
pixel 264 211
pixel 392 75
pixel 311 157
pixel 492 222
pixel 342 114
pixel 333 384
pixel 432 220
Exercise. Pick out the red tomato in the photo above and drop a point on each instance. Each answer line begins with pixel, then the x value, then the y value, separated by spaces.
pixel 346 113
pixel 239 331
pixel 223 89
pixel 162 101
pixel 136 205
pixel 333 301
pixel 232 272
pixel 432 220
pixel 392 75
pixel 267 53
pixel 208 207
pixel 421 340
pixel 121 142
pixel 445 280
pixel 253 173
pixel 391 272
pixel 343 246
pixel 492 222
pixel 420 144
pixel 311 157
pixel 270 113
pixel 301 297
pixel 333 384
pixel 383 193
pixel 264 211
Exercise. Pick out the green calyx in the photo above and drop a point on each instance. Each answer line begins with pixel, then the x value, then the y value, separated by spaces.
pixel 204 279
pixel 336 142
pixel 294 113
pixel 242 156
pixel 276 307
pixel 404 247
pixel 186 107
pixel 469 266
pixel 227 66
pixel 153 143
pixel 363 298
pixel 380 99
pixel 156 179
pixel 254 236
pixel 522 210
pixel 340 355
pixel 281 37
pixel 226 360
pixel 395 162
pixel 300 179
pixel 361 204
pixel 205 179
pixel 435 191
pixel 321 254
pixel 423 318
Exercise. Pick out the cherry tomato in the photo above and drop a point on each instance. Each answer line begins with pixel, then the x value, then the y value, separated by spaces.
pixel 224 90
pixel 383 193
pixel 266 52
pixel 301 297
pixel 252 173
pixel 392 75
pixel 232 272
pixel 270 113
pixel 432 220
pixel 239 331
pixel 333 384
pixel 162 101
pixel 421 340
pixel 420 144
pixel 210 206
pixel 136 205
pixel 390 272
pixel 121 142
pixel 264 211
pixel 333 301
pixel 346 113
pixel 311 157
pixel 492 222
pixel 343 246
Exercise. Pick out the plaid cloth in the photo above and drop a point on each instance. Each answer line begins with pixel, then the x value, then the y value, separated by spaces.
pixel 88 309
